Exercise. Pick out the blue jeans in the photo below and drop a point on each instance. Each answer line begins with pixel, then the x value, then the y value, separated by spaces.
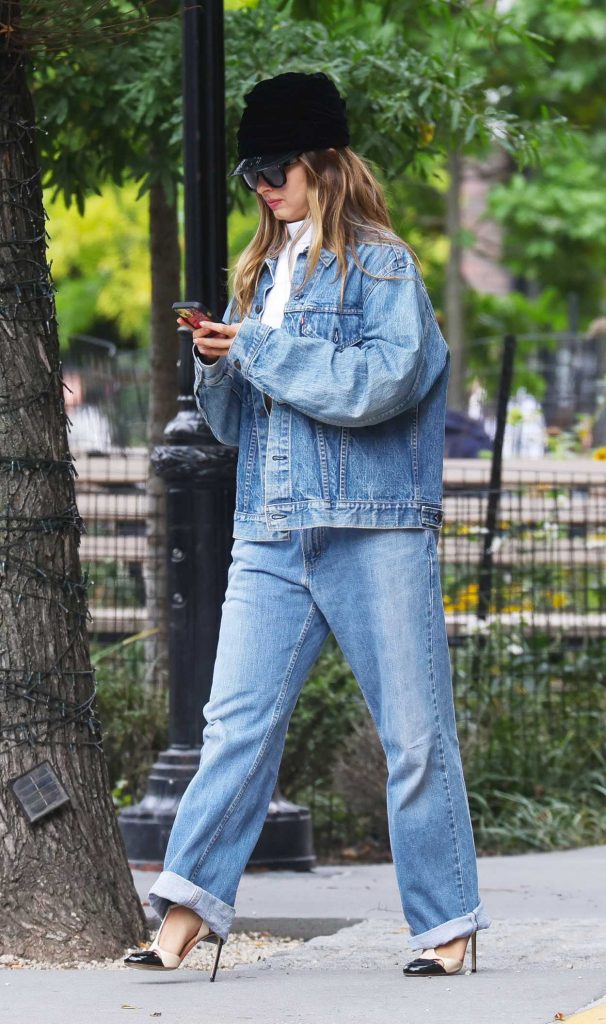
pixel 378 590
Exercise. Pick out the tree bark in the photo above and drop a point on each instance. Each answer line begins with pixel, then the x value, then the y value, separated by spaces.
pixel 66 888
pixel 163 353
pixel 454 290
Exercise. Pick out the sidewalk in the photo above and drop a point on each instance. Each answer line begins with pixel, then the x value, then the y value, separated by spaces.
pixel 545 954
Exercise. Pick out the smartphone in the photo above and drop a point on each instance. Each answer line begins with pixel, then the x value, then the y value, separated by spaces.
pixel 194 312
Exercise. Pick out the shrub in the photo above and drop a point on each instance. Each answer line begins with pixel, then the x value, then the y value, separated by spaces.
pixel 134 717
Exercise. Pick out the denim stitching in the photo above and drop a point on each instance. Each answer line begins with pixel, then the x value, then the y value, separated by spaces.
pixel 323 461
pixel 453 828
pixel 415 452
pixel 344 449
pixel 289 448
pixel 250 461
pixel 265 742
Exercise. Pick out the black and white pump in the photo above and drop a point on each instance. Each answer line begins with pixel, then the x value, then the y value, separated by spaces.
pixel 157 959
pixel 432 965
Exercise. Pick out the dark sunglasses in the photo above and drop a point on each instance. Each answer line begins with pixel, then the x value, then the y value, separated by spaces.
pixel 274 175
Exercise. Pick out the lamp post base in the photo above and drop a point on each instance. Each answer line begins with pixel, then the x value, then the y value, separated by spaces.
pixel 286 840
pixel 146 826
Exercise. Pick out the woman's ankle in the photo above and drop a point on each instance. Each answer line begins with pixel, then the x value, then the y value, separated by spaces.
pixel 455 948
pixel 178 927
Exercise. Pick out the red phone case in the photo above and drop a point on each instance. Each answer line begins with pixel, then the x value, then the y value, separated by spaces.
pixel 196 317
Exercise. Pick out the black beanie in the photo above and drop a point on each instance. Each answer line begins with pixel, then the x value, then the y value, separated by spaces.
pixel 288 115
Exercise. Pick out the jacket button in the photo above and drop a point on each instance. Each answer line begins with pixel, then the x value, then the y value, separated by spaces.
pixel 258 308
pixel 237 364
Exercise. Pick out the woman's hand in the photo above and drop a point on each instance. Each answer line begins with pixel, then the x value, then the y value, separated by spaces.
pixel 212 339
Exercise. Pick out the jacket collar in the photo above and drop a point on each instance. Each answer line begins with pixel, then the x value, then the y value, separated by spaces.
pixel 326 257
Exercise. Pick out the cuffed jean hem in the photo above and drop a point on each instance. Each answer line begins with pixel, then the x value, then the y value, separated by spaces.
pixel 172 888
pixel 458 928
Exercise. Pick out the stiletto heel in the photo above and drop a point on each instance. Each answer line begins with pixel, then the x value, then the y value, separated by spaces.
pixel 431 964
pixel 217 955
pixel 157 959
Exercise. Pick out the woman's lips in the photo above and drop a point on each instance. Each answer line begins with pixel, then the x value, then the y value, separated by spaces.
pixel 273 202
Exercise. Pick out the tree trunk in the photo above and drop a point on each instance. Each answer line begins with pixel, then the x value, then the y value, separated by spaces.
pixel 163 353
pixel 453 304
pixel 67 891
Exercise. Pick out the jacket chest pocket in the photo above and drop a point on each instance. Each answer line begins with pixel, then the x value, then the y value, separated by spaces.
pixel 343 329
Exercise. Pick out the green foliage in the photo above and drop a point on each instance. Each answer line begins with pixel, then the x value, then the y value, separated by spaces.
pixel 420 79
pixel 530 712
pixel 496 315
pixel 555 223
pixel 574 78
pixel 554 217
pixel 134 718
pixel 522 824
pixel 111 105
pixel 406 102
pixel 100 263
pixel 531 729
pixel 241 226
pixel 114 111
pixel 535 322
pixel 111 586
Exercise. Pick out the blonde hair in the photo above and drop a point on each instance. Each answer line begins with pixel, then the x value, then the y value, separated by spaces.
pixel 346 205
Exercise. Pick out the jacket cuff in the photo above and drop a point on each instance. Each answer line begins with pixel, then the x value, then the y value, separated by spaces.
pixel 207 373
pixel 246 344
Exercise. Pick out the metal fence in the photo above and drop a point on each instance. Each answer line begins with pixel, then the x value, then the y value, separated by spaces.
pixel 114 551
pixel 528 662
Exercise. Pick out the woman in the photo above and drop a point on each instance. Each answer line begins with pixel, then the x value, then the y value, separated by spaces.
pixel 330 374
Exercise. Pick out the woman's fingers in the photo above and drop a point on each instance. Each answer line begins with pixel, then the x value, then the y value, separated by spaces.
pixel 210 328
pixel 225 330
pixel 212 339
pixel 203 330
pixel 213 344
pixel 215 339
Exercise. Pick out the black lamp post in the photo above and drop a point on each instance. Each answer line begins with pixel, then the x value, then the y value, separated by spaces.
pixel 200 478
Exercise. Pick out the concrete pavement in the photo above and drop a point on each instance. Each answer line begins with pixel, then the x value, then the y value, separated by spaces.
pixel 269 996
pixel 545 954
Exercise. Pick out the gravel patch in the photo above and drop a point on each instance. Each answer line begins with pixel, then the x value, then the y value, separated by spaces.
pixel 379 945
pixel 242 948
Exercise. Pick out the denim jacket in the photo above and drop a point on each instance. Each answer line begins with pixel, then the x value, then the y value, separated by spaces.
pixel 338 414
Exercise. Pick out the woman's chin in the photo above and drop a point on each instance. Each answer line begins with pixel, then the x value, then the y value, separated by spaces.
pixel 282 212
